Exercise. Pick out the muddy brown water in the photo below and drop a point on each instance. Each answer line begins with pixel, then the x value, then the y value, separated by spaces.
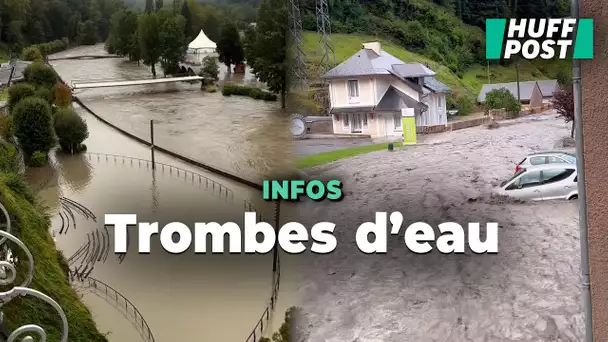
pixel 182 297
pixel 246 137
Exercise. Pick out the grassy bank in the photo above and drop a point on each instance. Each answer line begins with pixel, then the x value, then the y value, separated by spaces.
pixel 4 94
pixel 32 225
pixel 469 82
pixel 328 157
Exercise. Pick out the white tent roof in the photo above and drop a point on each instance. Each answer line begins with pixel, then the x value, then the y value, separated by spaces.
pixel 202 42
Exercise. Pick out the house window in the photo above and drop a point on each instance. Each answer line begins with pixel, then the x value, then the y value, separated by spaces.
pixel 397 119
pixel 345 122
pixel 353 91
pixel 365 120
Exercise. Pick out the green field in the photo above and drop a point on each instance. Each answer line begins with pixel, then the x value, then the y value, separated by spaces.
pixel 470 82
pixel 328 157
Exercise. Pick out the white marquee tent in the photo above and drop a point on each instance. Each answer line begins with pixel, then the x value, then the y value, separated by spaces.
pixel 202 44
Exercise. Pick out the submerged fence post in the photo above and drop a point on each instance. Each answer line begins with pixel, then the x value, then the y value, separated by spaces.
pixel 275 252
pixel 152 143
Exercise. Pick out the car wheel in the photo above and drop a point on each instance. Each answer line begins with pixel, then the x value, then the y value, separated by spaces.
pixel 573 197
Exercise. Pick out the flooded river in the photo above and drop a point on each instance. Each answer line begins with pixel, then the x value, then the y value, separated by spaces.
pixel 186 297
pixel 240 135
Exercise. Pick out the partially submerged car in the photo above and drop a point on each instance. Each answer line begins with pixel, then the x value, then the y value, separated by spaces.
pixel 542 182
pixel 547 157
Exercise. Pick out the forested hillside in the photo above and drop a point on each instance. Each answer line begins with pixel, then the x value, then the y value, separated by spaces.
pixel 25 22
pixel 446 31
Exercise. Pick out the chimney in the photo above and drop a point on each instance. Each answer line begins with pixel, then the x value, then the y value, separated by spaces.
pixel 374 46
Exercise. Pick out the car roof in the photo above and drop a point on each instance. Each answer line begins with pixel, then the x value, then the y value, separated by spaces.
pixel 551 166
pixel 552 153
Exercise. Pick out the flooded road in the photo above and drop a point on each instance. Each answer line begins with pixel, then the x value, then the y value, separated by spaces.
pixel 240 135
pixel 182 297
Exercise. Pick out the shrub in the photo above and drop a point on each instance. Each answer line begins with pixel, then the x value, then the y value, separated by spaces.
pixel 63 95
pixel 253 92
pixel 211 89
pixel 465 105
pixel 45 94
pixel 502 98
pixel 33 125
pixel 18 92
pixel 40 75
pixel 37 159
pixel 6 127
pixel 210 68
pixel 32 54
pixel 9 157
pixel 71 130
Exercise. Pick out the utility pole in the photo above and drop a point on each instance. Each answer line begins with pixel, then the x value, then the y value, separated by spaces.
pixel 517 76
pixel 489 72
pixel 582 191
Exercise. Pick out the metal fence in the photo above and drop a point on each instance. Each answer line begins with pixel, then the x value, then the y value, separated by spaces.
pixel 123 303
pixel 207 183
pixel 263 322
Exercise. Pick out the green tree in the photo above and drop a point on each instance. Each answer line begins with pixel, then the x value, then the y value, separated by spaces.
pixel 229 46
pixel 465 105
pixel 33 125
pixel 148 30
pixel 189 28
pixel 87 33
pixel 502 98
pixel 123 27
pixel 173 42
pixel 268 52
pixel 32 54
pixel 40 75
pixel 210 68
pixel 18 92
pixel 149 6
pixel 71 130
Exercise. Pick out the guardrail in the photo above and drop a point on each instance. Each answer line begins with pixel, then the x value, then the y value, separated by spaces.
pixel 179 172
pixel 263 322
pixel 122 302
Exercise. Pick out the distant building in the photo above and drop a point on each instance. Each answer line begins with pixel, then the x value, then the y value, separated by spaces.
pixel 529 92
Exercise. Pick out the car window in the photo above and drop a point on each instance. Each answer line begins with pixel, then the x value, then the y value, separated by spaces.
pixel 513 177
pixel 555 160
pixel 569 158
pixel 537 160
pixel 575 178
pixel 556 175
pixel 528 179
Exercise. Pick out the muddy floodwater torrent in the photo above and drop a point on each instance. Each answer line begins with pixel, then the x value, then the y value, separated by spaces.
pixel 182 297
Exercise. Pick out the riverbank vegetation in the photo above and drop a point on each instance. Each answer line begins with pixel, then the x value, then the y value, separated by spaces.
pixel 41 115
pixel 32 226
pixel 243 90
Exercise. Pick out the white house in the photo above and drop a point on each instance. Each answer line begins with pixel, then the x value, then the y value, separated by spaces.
pixel 369 89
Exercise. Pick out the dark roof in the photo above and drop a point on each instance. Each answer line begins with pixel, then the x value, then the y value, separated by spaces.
pixel 434 85
pixel 547 87
pixel 525 89
pixel 412 70
pixel 393 98
pixel 5 71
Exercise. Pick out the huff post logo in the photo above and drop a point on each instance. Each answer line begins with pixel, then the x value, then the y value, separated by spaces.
pixel 539 38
